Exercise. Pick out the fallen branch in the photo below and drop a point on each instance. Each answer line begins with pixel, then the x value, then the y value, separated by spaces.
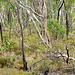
pixel 44 42
pixel 66 57
pixel 68 51
pixel 68 68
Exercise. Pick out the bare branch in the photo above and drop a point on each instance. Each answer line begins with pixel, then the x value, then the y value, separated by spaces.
pixel 66 57
pixel 36 18
pixel 22 5
pixel 38 31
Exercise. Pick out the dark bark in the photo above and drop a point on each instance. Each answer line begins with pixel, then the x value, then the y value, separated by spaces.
pixel 59 15
pixel 10 32
pixel 68 51
pixel 46 72
pixel 42 5
pixel 67 26
pixel 1 32
pixel 9 21
pixel 19 20
pixel 59 10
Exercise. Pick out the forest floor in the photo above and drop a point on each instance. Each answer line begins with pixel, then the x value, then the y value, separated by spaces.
pixel 11 55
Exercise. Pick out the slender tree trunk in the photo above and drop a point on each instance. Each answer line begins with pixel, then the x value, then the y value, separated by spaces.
pixel 44 23
pixel 23 17
pixel 13 21
pixel 27 18
pixel 1 18
pixel 51 10
pixel 63 16
pixel 1 25
pixel 17 27
pixel 1 32
pixel 60 10
pixel 44 20
pixel 19 20
pixel 59 13
pixel 10 31
pixel 9 21
pixel 71 18
pixel 67 26
pixel 26 2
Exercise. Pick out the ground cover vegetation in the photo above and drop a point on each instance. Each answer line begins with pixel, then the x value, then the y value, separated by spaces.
pixel 37 37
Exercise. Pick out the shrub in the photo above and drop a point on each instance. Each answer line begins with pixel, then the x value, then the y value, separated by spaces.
pixel 5 62
pixel 55 28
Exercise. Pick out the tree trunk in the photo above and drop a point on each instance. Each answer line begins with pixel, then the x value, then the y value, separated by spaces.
pixel 44 20
pixel 60 10
pixel 51 10
pixel 44 23
pixel 19 20
pixel 67 26
pixel 1 32
pixel 63 16
pixel 71 18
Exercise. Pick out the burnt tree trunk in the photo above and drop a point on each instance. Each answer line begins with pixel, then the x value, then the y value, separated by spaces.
pixel 19 20
pixel 67 27
pixel 59 10
pixel 59 15
pixel 1 32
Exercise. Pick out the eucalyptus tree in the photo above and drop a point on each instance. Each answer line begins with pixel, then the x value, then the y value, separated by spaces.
pixel 70 6
pixel 67 6
pixel 1 18
pixel 19 20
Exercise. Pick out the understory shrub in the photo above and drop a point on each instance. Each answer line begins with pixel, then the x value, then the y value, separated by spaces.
pixel 55 28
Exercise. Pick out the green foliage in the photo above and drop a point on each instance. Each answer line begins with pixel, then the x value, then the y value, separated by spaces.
pixel 74 34
pixel 55 28
pixel 7 44
pixel 34 73
pixel 2 0
pixel 42 47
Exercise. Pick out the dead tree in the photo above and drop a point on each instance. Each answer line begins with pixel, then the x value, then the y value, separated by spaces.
pixel 67 25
